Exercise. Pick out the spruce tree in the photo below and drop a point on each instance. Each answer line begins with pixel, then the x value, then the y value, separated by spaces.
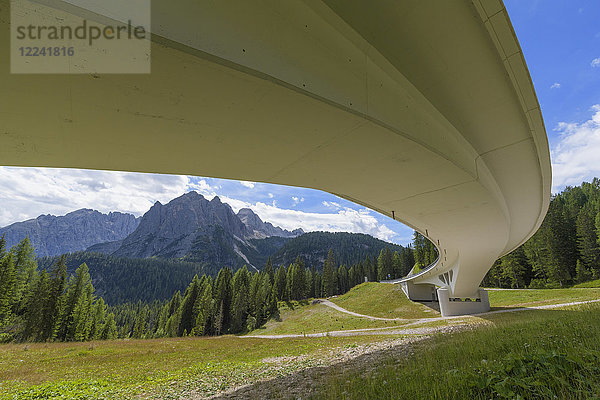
pixel 328 279
pixel 384 264
pixel 280 282
pixel 269 270
pixel 75 303
pixel 25 268
pixel 188 319
pixel 204 307
pixel 241 303
pixel 8 280
pixel 99 313
pixel 109 329
pixel 35 319
pixel 222 293
pixel 587 238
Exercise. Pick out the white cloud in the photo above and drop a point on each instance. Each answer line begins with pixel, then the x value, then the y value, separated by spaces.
pixel 595 62
pixel 576 157
pixel 555 85
pixel 346 220
pixel 332 204
pixel 249 185
pixel 28 192
pixel 270 195
pixel 202 187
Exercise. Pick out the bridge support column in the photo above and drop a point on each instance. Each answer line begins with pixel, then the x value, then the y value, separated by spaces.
pixel 421 292
pixel 451 306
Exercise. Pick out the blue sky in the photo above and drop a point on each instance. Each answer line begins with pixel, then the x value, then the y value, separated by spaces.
pixel 561 43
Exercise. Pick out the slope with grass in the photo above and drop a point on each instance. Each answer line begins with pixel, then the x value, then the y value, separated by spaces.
pixel 540 354
pixel 537 297
pixel 382 300
pixel 589 284
pixel 305 318
pixel 494 346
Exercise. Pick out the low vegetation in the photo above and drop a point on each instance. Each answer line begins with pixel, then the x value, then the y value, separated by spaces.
pixel 549 354
pixel 545 342
pixel 539 297
pixel 169 368
pixel 305 318
pixel 589 284
pixel 382 300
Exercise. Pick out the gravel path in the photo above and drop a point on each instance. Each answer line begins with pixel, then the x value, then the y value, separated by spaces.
pixel 305 382
pixel 335 306
pixel 404 330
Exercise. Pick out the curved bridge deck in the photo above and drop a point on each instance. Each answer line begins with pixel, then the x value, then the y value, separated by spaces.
pixel 427 113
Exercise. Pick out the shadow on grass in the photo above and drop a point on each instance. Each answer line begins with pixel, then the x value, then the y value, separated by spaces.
pixel 434 305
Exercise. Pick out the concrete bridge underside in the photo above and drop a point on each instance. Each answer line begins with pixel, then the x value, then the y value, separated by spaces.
pixel 424 111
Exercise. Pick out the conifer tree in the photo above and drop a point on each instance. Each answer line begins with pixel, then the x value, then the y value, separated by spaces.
pixel 396 265
pixel 241 302
pixel 75 303
pixel 109 329
pixel 36 320
pixel 328 278
pixel 280 282
pixel 55 302
pixel 384 264
pixel 222 294
pixel 343 282
pixel 82 316
pixel 139 326
pixel 587 238
pixel 269 270
pixel 25 268
pixel 8 280
pixel 514 268
pixel 317 285
pixel 98 315
pixel 173 315
pixel 582 274
pixel 188 319
pixel 204 308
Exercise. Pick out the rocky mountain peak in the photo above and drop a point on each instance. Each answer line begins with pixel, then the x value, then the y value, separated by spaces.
pixel 260 229
pixel 54 235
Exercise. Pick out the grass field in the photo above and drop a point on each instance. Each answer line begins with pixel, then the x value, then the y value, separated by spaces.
pixel 316 318
pixel 590 284
pixel 156 368
pixel 532 355
pixel 388 301
pixel 382 300
pixel 538 297
pixel 183 367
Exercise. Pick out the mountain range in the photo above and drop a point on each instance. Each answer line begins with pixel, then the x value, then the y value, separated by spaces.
pixel 193 229
pixel 51 235
pixel 149 257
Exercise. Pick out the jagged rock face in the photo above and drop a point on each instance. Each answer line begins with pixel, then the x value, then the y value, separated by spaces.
pixel 51 235
pixel 178 228
pixel 259 230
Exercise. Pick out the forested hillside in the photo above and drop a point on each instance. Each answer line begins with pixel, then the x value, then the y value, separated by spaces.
pixel 348 248
pixel 119 280
pixel 52 304
pixel 565 250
